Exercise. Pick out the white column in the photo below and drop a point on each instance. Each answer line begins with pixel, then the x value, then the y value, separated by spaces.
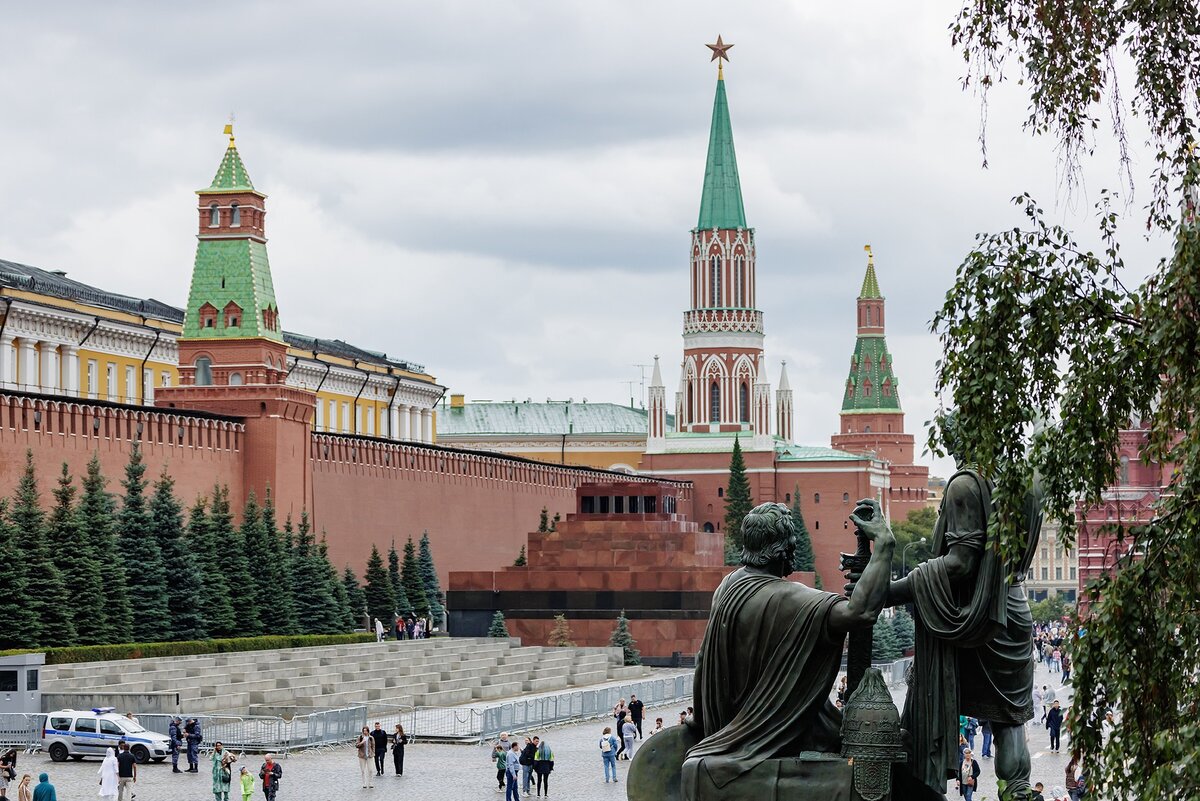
pixel 70 368
pixel 393 423
pixel 27 369
pixel 49 359
pixel 427 425
pixel 8 362
pixel 414 423
pixel 402 417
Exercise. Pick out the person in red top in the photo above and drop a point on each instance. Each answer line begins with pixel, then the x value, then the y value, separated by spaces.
pixel 270 773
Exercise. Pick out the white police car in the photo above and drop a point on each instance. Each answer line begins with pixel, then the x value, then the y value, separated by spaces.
pixel 78 733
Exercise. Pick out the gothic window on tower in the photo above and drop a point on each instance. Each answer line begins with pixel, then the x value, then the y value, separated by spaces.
pixel 714 403
pixel 203 371
pixel 235 215
pixel 744 403
pixel 739 282
pixel 714 284
pixel 214 216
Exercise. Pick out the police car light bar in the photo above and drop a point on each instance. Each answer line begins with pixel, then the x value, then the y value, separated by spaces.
pixel 103 710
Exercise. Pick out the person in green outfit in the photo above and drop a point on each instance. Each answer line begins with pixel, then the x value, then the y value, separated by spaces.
pixel 247 784
pixel 222 772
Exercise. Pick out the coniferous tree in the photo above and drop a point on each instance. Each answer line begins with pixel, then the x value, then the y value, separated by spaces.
pixel 185 619
pixel 214 600
pixel 738 504
pixel 73 554
pixel 275 565
pixel 521 560
pixel 429 581
pixel 47 597
pixel 554 522
pixel 544 520
pixel 255 550
pixel 356 599
pixel 414 587
pixel 381 601
pixel 560 635
pixel 318 608
pixel 139 549
pixel 18 628
pixel 884 647
pixel 231 559
pixel 403 607
pixel 804 559
pixel 498 628
pixel 904 629
pixel 111 621
pixel 623 639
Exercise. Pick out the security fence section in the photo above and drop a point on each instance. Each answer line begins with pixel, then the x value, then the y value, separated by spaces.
pixel 22 731
pixel 271 733
pixel 538 713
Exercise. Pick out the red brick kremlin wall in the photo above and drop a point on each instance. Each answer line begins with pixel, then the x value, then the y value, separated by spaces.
pixel 477 507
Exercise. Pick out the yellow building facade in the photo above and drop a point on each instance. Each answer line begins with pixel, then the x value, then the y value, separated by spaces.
pixel 64 338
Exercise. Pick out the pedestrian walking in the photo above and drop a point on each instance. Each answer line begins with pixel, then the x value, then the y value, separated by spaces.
pixel 1048 696
pixel 108 774
pixel 399 740
pixel 365 746
pixel 1054 723
pixel 175 740
pixel 636 708
pixel 985 727
pixel 270 773
pixel 1072 778
pixel 195 736
pixel 23 793
pixel 380 634
pixel 222 771
pixel 1038 709
pixel 968 775
pixel 379 743
pixel 1066 668
pixel 8 770
pixel 608 753
pixel 972 729
pixel 44 790
pixel 500 761
pixel 512 770
pixel 526 760
pixel 543 765
pixel 629 734
pixel 620 713
pixel 247 782
pixel 126 773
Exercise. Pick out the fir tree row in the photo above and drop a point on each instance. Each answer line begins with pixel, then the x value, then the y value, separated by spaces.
pixel 406 588
pixel 98 569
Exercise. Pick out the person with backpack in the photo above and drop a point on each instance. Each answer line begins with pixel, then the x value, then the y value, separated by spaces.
pixel 608 753
pixel 543 764
pixel 526 762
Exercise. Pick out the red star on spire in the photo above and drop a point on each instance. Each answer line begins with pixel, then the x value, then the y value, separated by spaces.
pixel 719 50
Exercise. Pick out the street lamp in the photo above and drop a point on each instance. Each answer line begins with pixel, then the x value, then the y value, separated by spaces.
pixel 904 553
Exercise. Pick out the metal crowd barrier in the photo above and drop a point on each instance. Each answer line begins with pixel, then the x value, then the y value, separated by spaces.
pixel 538 713
pixel 269 733
pixel 21 730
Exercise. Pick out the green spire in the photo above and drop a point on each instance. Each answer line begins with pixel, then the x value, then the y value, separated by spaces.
pixel 871 386
pixel 870 286
pixel 721 203
pixel 231 175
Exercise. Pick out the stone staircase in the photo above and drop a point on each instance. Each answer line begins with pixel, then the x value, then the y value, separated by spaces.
pixel 442 671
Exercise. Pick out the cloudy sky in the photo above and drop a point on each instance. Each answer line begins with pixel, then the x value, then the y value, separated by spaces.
pixel 503 190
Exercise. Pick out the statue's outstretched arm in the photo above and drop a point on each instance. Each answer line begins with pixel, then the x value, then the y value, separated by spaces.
pixel 871 591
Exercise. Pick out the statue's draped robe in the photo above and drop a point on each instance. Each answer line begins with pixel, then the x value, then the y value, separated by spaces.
pixel 974 644
pixel 763 675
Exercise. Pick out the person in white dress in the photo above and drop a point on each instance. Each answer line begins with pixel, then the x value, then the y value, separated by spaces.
pixel 108 775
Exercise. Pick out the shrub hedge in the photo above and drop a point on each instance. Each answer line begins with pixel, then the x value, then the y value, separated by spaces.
pixel 141 650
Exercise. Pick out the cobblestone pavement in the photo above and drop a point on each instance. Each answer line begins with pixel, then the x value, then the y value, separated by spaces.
pixel 463 773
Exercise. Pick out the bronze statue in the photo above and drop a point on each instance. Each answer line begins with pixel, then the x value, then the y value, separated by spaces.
pixel 974 644
pixel 771 654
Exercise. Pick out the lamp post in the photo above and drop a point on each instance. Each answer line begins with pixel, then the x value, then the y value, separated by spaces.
pixel 904 553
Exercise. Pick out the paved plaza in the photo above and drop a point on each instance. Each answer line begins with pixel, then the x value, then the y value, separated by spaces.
pixel 456 772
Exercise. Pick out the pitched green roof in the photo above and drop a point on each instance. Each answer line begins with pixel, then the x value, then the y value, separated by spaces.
pixel 721 201
pixel 555 418
pixel 787 452
pixel 234 270
pixel 870 285
pixel 871 386
pixel 231 175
